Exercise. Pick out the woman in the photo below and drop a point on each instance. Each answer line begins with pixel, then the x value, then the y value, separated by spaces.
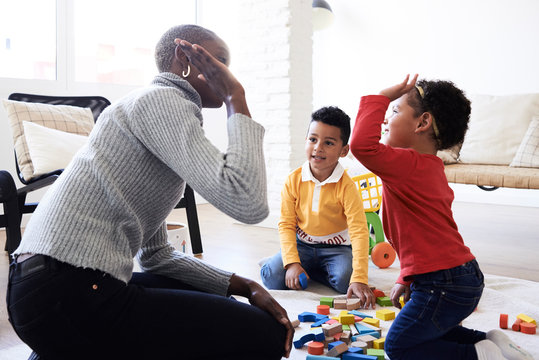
pixel 72 293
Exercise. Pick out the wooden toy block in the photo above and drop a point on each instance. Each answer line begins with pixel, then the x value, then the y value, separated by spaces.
pixel 516 325
pixel 353 330
pixel 360 314
pixel 372 327
pixel 337 336
pixel 385 314
pixel 322 309
pixel 337 348
pixel 328 340
pixel 320 357
pixel 366 339
pixel 359 345
pixel 378 293
pixel 315 348
pixel 346 327
pixel 326 301
pixel 330 330
pixel 352 356
pixel 298 343
pixel 372 321
pixel 353 304
pixel 295 323
pixel 318 334
pixel 345 318
pixel 331 321
pixel 345 337
pixel 319 323
pixel 379 343
pixel 401 301
pixel 376 334
pixel 311 317
pixel 339 303
pixel 504 318
pixel 528 328
pixel 379 353
pixel 362 329
pixel 354 350
pixel 303 281
pixel 526 318
pixel 357 318
pixel 384 301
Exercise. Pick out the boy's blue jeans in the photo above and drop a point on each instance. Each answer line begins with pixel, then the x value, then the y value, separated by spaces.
pixel 331 266
pixel 428 325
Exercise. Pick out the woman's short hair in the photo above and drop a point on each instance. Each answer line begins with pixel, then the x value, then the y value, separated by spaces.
pixel 165 48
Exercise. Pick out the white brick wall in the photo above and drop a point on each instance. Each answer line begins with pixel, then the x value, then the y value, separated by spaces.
pixel 275 67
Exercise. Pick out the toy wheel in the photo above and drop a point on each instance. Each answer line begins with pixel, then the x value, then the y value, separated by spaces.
pixel 383 255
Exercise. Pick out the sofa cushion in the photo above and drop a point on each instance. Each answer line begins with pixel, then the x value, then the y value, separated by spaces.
pixel 528 152
pixel 497 126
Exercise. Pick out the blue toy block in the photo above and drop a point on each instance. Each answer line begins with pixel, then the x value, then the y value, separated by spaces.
pixel 311 317
pixel 333 344
pixel 319 335
pixel 298 344
pixel 319 322
pixel 303 281
pixel 352 356
pixel 373 333
pixel 360 314
pixel 355 350
pixel 320 357
pixel 362 330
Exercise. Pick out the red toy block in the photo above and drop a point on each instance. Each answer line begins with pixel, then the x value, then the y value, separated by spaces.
pixel 378 293
pixel 503 321
pixel 528 328
pixel 322 309
pixel 315 348
pixel 516 325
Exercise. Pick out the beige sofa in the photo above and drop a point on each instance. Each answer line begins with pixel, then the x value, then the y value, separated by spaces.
pixel 501 147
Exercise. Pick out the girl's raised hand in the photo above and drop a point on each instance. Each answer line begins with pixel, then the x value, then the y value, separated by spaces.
pixel 396 91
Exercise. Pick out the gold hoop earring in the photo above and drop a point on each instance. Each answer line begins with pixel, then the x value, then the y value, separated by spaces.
pixel 188 71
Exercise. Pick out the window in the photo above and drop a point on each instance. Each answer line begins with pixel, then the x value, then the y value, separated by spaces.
pixel 28 39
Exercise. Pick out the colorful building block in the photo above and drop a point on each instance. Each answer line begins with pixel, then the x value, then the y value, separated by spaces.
pixel 339 303
pixel 352 356
pixel 379 343
pixel 322 309
pixel 295 323
pixel 326 301
pixel 315 348
pixel 385 314
pixel 378 293
pixel 337 348
pixel 380 354
pixel 360 314
pixel 526 318
pixel 345 318
pixel 384 301
pixel 528 328
pixel 516 325
pixel 401 301
pixel 371 321
pixel 345 337
pixel 330 330
pixel 303 281
pixel 504 318
pixel 353 304
pixel 311 317
pixel 366 339
pixel 359 345
pixel 320 357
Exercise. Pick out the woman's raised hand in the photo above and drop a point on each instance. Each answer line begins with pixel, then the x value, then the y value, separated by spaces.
pixel 396 91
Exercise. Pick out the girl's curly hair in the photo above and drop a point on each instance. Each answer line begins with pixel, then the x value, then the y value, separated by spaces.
pixel 449 107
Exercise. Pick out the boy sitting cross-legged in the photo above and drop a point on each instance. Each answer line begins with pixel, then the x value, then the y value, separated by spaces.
pixel 323 229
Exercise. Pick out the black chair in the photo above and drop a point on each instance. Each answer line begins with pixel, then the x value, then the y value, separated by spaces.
pixel 14 200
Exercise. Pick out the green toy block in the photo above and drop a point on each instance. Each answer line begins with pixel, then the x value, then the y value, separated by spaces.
pixel 346 328
pixel 326 301
pixel 379 353
pixel 384 301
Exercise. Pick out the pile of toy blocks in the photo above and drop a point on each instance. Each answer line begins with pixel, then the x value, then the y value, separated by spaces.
pixel 351 335
pixel 523 323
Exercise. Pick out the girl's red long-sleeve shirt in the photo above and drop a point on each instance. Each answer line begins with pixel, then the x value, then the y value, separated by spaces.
pixel 416 202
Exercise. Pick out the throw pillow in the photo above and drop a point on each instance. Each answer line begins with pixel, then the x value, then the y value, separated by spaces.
pixel 50 149
pixel 528 151
pixel 451 155
pixel 72 119
pixel 497 126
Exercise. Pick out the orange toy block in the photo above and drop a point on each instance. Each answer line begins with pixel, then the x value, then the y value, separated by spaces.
pixel 379 343
pixel 504 318
pixel 516 325
pixel 528 328
pixel 526 318
pixel 315 348
pixel 372 321
pixel 322 309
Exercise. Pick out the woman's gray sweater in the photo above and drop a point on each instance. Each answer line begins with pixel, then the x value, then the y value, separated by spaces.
pixel 111 202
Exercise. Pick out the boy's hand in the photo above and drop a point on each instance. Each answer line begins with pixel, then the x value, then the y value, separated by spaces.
pixel 396 91
pixel 364 293
pixel 292 276
pixel 397 291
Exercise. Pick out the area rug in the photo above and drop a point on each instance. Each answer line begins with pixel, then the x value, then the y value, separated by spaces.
pixel 501 295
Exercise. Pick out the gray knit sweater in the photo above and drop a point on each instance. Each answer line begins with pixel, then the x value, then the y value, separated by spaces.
pixel 111 202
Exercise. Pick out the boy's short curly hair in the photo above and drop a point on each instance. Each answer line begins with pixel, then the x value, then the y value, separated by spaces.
pixel 449 106
pixel 332 115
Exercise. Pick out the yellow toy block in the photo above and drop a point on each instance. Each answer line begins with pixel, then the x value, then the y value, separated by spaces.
pixel 401 301
pixel 379 343
pixel 385 314
pixel 345 318
pixel 526 318
pixel 372 321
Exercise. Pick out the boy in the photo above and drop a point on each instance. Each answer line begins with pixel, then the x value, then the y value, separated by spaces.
pixel 323 228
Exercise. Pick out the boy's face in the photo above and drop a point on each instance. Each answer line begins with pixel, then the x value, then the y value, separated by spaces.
pixel 399 129
pixel 324 147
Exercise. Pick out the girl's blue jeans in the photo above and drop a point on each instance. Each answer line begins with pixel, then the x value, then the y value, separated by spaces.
pixel 428 325
pixel 331 266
